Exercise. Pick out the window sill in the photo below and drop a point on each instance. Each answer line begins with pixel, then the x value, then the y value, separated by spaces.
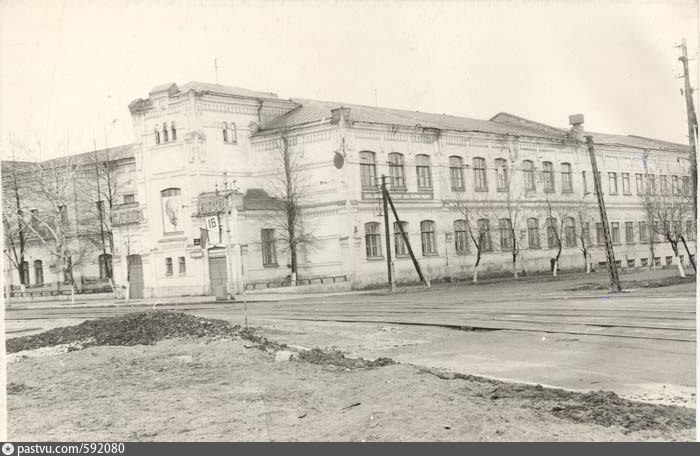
pixel 458 189
pixel 230 143
pixel 435 254
pixel 271 265
pixel 567 191
pixel 398 189
pixel 375 259
pixel 425 189
pixel 481 189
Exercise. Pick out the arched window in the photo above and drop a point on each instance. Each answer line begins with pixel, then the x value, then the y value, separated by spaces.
pixel 567 185
pixel 484 235
pixel 461 244
pixel 480 183
pixel 373 240
pixel 529 175
pixel 399 244
pixel 505 226
pixel 552 233
pixel 423 172
pixel 570 232
pixel 396 171
pixel 457 173
pixel 368 170
pixel 427 237
pixel 38 272
pixel 224 129
pixel 548 176
pixel 501 175
pixel 533 233
pixel 165 132
pixel 156 133
pixel 105 261
pixel 173 130
pixel 233 133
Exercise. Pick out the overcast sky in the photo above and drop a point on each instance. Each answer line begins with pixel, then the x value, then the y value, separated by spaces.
pixel 69 68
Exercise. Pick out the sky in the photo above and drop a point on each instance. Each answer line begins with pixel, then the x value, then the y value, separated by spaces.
pixel 68 69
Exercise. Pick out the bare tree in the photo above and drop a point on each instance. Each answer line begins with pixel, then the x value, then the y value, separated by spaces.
pixel 475 212
pixel 511 207
pixel 289 188
pixel 583 207
pixel 557 215
pixel 15 231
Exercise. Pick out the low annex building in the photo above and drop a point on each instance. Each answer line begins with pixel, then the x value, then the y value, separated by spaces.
pixel 198 206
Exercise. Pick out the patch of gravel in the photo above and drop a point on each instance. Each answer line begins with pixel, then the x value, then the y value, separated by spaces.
pixel 630 284
pixel 337 358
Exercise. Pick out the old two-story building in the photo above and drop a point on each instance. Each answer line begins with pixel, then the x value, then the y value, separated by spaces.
pixel 202 218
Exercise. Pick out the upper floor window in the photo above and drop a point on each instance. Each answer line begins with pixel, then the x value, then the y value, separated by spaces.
pixel 423 172
pixel 173 130
pixel 427 237
pixel 129 198
pixel 373 240
pixel 651 184
pixel 501 174
pixel 548 176
pixel 368 170
pixel 165 132
pixel 480 183
pixel 612 182
pixel 639 179
pixel 229 132
pixel 156 133
pixel 529 175
pixel 171 208
pixel 686 185
pixel 396 171
pixel 674 185
pixel 456 173
pixel 615 232
pixel 585 182
pixel 663 184
pixel 567 185
pixel 626 184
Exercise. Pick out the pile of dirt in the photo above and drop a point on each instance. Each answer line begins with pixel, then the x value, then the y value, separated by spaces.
pixel 631 284
pixel 604 408
pixel 338 359
pixel 143 328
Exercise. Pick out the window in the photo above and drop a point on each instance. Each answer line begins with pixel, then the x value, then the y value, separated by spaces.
pixel 165 132
pixel 173 131
pixel 529 175
pixel 643 232
pixel 457 173
pixel 396 171
pixel 690 230
pixel 548 176
pixel 663 184
pixel 484 235
pixel 686 185
pixel 224 130
pixel 600 238
pixel 585 183
pixel 629 232
pixel 651 184
pixel 586 233
pixel 645 261
pixel 229 132
pixel 552 234
pixel 24 273
pixel 501 175
pixel 505 226
pixel 100 209
pixel 612 183
pixel 373 240
pixel 38 272
pixel 677 228
pixel 570 232
pixel 63 213
pixel 399 244
pixel 480 183
pixel 105 262
pixel 427 237
pixel 640 183
pixel 626 184
pixel 669 260
pixel 630 263
pixel 269 252
pixel 533 233
pixel 182 268
pixel 169 266
pixel 567 185
pixel 674 185
pixel 461 244
pixel 368 170
pixel 129 198
pixel 615 232
pixel 423 172
pixel 156 133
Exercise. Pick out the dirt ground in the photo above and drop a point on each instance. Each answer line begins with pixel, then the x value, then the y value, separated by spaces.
pixel 229 390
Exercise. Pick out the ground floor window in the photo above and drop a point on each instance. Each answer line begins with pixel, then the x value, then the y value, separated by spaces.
pixel 461 244
pixel 269 251
pixel 399 244
pixel 105 261
pixel 533 233
pixel 427 236
pixel 182 266
pixel 38 272
pixel 24 273
pixel 373 240
pixel 169 266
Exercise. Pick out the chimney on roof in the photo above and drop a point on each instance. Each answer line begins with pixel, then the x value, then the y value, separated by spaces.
pixel 576 122
pixel 341 114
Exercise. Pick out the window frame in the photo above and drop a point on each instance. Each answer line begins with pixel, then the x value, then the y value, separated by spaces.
pixel 268 247
pixel 629 233
pixel 423 174
pixel 626 189
pixel 373 240
pixel 398 239
pixel 480 179
pixel 456 173
pixel 168 266
pixel 501 165
pixel 567 181
pixel 529 175
pixel 533 233
pixel 397 172
pixel 612 178
pixel 428 238
pixel 548 177
pixel 368 170
pixel 461 241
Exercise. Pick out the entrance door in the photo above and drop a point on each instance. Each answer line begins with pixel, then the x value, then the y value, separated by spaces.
pixel 217 276
pixel 135 271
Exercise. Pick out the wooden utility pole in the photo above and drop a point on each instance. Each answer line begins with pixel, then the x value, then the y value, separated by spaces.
pixel 610 253
pixel 385 197
pixel 692 126
pixel 407 242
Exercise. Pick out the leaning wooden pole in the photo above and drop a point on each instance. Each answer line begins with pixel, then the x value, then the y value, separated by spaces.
pixel 612 267
pixel 385 195
pixel 408 243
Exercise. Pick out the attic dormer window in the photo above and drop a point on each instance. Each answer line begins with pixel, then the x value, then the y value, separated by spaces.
pixel 157 135
pixel 229 132
pixel 173 130
pixel 165 132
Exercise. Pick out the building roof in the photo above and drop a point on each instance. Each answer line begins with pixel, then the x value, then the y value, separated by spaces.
pixel 224 90
pixel 110 154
